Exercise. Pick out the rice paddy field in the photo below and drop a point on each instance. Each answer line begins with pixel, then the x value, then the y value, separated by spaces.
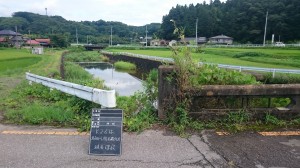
pixel 18 61
pixel 287 58
pixel 15 62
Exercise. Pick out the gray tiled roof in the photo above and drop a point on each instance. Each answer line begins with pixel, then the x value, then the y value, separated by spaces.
pixel 9 33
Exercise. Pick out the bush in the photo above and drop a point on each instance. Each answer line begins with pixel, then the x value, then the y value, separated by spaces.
pixel 212 75
pixel 121 65
pixel 85 56
pixel 139 113
pixel 250 54
pixel 281 79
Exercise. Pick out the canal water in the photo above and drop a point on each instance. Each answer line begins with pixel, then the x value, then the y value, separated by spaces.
pixel 124 83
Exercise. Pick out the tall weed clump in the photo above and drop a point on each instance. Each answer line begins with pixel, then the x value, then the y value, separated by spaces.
pixel 187 74
pixel 140 109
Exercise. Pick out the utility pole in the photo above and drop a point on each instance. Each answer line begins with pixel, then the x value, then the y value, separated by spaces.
pixel 196 31
pixel 87 39
pixel 46 11
pixel 146 36
pixel 76 36
pixel 29 38
pixel 111 36
pixel 266 24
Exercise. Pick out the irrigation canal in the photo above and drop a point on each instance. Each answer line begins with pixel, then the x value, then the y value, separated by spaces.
pixel 125 83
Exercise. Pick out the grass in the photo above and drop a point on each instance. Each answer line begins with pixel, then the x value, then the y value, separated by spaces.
pixel 84 56
pixel 40 114
pixel 121 65
pixel 37 104
pixel 270 58
pixel 13 60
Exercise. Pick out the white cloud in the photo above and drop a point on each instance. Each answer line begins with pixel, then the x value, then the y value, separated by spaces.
pixel 133 12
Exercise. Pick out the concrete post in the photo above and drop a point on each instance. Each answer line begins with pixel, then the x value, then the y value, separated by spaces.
pixel 167 89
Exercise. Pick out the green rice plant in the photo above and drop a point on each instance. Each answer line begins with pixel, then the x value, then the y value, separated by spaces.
pixel 121 65
pixel 250 54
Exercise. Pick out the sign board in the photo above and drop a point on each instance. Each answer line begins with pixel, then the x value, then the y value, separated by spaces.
pixel 106 132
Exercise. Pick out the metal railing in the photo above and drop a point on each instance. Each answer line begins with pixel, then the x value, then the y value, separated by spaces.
pixel 106 98
pixel 162 59
pixel 257 69
pixel 234 67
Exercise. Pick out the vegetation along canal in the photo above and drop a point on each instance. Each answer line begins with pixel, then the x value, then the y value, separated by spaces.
pixel 124 83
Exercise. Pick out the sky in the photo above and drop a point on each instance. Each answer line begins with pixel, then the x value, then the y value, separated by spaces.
pixel 131 12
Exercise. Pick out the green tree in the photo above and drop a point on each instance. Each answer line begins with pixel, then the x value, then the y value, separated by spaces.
pixel 59 40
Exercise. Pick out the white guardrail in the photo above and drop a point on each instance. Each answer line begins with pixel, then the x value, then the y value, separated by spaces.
pixel 247 68
pixel 162 59
pixel 106 98
pixel 234 67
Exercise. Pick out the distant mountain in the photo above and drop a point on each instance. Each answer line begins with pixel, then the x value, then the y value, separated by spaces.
pixel 92 31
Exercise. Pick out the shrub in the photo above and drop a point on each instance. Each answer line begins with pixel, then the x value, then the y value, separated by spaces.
pixel 250 54
pixel 212 75
pixel 121 65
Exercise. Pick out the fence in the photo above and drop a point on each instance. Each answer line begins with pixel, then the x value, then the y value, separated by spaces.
pixel 155 58
pixel 257 69
pixel 234 67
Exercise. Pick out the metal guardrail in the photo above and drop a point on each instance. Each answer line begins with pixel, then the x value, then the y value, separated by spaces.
pixel 239 68
pixel 247 68
pixel 106 98
pixel 162 59
pixel 250 46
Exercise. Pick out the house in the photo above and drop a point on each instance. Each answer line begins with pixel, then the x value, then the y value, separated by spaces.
pixel 157 42
pixel 172 43
pixel 9 33
pixel 44 42
pixel 3 40
pixel 16 41
pixel 221 39
pixel 11 37
pixel 192 40
pixel 32 42
pixel 144 40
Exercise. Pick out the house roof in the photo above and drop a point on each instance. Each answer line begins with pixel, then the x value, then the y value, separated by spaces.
pixel 32 42
pixel 43 40
pixel 9 33
pixel 221 37
pixel 16 38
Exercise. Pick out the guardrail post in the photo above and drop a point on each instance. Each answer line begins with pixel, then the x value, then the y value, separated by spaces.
pixel 274 70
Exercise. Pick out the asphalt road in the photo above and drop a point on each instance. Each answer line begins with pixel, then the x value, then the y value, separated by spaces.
pixel 46 147
pixel 255 150
pixel 43 147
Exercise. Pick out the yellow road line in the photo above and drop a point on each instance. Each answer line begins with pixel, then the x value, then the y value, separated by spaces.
pixel 283 133
pixel 222 133
pixel 45 133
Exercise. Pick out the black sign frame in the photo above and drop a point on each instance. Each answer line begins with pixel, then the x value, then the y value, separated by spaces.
pixel 106 132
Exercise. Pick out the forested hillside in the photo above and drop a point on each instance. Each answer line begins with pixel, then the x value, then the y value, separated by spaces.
pixel 244 20
pixel 95 32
